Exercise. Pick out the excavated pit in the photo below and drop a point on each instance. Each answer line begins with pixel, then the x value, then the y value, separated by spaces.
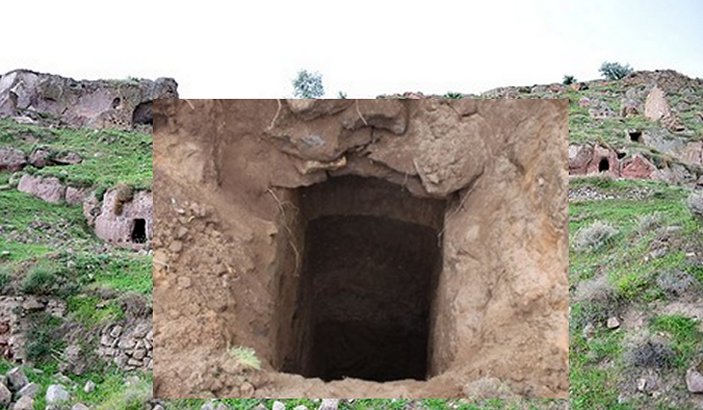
pixel 365 285
pixel 360 248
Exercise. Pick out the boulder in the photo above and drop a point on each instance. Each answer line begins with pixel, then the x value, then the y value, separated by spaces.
pixel 56 394
pixel 40 157
pixel 16 379
pixel 386 114
pixel 11 159
pixel 628 108
pixel 43 157
pixel 48 189
pixel 5 396
pixel 24 403
pixel 29 389
pixel 694 381
pixel 67 158
pixel 329 404
pixel 89 386
pixel 76 196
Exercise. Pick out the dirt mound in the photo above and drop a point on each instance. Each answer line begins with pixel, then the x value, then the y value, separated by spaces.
pixel 376 248
pixel 120 104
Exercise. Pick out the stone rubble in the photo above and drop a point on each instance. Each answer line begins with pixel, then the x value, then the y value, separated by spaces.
pixel 128 349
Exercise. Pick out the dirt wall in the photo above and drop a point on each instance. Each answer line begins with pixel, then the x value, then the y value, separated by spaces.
pixel 242 190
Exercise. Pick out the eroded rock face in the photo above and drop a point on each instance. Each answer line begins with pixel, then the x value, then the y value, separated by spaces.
pixel 238 183
pixel 96 104
pixel 589 159
pixel 121 219
pixel 656 108
pixel 637 167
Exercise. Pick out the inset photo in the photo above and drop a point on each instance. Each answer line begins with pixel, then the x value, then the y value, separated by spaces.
pixel 360 248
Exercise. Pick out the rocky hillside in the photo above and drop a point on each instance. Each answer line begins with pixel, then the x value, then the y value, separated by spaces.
pixel 648 125
pixel 75 260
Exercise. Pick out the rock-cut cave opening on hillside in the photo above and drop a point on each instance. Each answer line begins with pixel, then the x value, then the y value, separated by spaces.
pixel 138 234
pixel 603 165
pixel 360 301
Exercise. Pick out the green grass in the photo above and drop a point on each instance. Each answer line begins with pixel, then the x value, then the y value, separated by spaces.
pixel 85 309
pixel 629 268
pixel 597 366
pixel 687 339
pixel 42 342
pixel 109 156
pixel 120 270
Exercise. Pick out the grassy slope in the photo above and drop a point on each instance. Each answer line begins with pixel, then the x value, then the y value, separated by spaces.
pixel 598 365
pixel 109 156
pixel 48 249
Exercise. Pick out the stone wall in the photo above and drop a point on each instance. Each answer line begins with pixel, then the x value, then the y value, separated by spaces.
pixel 129 347
pixel 14 324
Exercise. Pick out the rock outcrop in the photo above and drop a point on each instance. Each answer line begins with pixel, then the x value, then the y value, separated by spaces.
pixel 12 159
pixel 119 104
pixel 123 218
pixel 51 189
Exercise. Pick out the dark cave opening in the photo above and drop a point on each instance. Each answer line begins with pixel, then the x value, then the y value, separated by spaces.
pixel 142 114
pixel 138 234
pixel 366 283
pixel 603 165
pixel 635 136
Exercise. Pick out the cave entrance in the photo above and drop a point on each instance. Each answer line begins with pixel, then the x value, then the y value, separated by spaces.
pixel 371 256
pixel 635 135
pixel 603 165
pixel 138 234
pixel 142 114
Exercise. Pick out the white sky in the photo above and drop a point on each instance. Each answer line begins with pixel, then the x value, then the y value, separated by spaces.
pixel 216 49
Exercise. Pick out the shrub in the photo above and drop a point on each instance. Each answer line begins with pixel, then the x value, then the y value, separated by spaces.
pixel 568 80
pixel 246 357
pixel 593 237
pixel 308 85
pixel 684 334
pixel 41 280
pixel 651 353
pixel 648 222
pixel 42 338
pixel 597 289
pixel 614 71
pixel 695 203
pixel 5 277
pixel 676 282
